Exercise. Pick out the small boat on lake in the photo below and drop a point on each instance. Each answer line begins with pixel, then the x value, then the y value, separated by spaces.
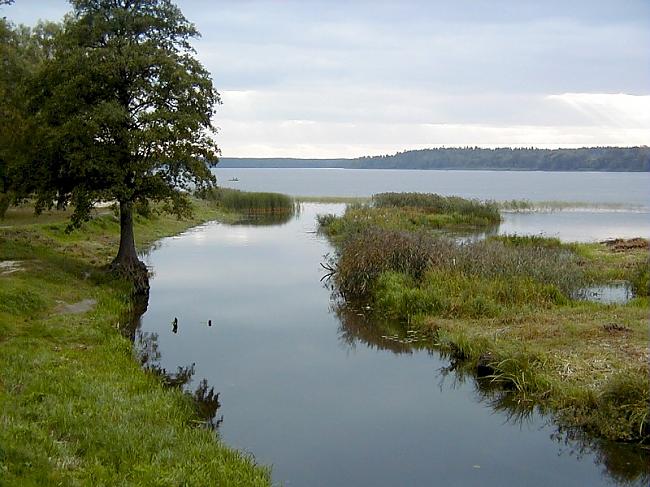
pixel 233 179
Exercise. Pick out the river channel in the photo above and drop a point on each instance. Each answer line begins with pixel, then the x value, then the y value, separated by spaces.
pixel 325 399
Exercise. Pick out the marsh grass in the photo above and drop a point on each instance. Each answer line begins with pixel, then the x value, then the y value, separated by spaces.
pixel 251 202
pixel 438 204
pixel 640 277
pixel 505 307
pixel 529 241
pixel 504 271
pixel 556 205
pixel 410 212
pixel 75 407
pixel 562 359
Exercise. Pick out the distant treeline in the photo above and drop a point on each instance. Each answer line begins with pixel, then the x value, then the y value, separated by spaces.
pixel 630 159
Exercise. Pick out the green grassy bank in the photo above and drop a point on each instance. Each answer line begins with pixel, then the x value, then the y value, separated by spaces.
pixel 507 310
pixel 75 407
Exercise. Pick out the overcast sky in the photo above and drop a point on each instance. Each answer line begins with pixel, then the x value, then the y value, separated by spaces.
pixel 350 78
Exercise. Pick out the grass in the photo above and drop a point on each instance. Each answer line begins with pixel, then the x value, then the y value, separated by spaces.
pixel 244 201
pixel 554 205
pixel 410 212
pixel 76 408
pixel 436 204
pixel 505 305
pixel 364 257
pixel 332 199
pixel 563 358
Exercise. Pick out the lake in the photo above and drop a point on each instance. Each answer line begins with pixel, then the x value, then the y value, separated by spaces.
pixel 626 189
pixel 621 200
pixel 324 398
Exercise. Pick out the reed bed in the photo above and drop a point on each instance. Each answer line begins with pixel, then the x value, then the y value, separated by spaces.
pixel 436 262
pixel 435 203
pixel 410 212
pixel 251 202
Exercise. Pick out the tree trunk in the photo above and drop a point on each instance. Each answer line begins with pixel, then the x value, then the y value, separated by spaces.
pixel 126 262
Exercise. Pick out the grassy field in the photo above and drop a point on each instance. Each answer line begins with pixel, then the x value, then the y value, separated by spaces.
pixel 506 309
pixel 75 407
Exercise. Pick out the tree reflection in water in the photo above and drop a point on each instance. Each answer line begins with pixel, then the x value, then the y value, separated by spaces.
pixel 145 345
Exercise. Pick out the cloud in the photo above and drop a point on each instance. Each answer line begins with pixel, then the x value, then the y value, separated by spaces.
pixel 615 110
pixel 325 78
pixel 331 140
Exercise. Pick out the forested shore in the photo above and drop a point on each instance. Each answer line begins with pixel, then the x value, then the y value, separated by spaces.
pixel 614 159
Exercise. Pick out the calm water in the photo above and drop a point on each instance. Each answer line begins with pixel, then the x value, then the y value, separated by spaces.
pixel 626 196
pixel 325 398
pixel 599 187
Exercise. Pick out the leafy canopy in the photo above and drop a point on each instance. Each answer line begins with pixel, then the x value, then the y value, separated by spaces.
pixel 124 109
pixel 22 50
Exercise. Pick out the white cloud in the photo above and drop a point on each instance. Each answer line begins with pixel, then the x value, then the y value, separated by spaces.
pixel 331 140
pixel 617 110
pixel 351 123
pixel 328 79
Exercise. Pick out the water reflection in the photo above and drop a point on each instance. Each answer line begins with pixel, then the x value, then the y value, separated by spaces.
pixel 624 464
pixel 307 388
pixel 356 326
pixel 265 218
pixel 614 293
pixel 147 353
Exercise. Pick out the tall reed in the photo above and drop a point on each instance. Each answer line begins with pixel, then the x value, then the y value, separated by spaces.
pixel 254 202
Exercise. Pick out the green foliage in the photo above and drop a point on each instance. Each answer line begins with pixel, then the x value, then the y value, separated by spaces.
pixel 123 109
pixel 508 158
pixel 22 51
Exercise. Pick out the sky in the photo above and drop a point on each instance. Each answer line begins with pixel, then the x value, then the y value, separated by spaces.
pixel 326 79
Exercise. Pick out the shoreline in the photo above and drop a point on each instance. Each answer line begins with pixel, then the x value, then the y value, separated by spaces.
pixel 76 405
pixel 584 362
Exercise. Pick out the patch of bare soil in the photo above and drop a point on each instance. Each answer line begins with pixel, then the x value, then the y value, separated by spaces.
pixel 76 308
pixel 625 245
pixel 10 266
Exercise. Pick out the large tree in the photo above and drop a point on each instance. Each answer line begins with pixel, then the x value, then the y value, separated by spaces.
pixel 124 110
pixel 22 52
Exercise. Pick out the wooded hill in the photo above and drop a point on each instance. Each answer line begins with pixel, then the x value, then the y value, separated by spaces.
pixel 624 159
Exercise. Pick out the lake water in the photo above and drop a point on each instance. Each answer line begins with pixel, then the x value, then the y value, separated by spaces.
pixel 624 198
pixel 325 398
pixel 627 189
